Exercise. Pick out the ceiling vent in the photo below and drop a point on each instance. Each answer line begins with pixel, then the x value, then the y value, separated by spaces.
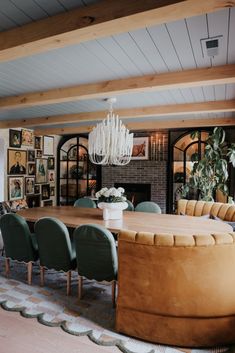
pixel 211 46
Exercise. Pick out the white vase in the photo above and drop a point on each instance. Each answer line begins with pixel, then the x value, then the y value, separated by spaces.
pixel 113 210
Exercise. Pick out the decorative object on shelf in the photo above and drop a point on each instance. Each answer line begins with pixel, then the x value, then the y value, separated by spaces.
pixel 75 171
pixel 110 142
pixel 112 201
pixel 140 148
pixel 15 138
pixel 48 145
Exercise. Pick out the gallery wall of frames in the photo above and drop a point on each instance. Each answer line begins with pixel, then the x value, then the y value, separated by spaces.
pixel 30 169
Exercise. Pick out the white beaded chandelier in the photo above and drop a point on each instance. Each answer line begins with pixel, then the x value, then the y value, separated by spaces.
pixel 110 142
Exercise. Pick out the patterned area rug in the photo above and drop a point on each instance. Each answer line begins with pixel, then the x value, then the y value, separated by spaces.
pixel 92 316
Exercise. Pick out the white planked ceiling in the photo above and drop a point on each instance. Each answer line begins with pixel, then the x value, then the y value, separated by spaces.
pixel 169 47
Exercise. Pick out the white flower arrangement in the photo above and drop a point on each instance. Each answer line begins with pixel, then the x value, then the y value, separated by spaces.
pixel 111 195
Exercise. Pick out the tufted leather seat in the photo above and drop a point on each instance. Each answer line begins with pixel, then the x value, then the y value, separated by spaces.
pixel 224 211
pixel 177 289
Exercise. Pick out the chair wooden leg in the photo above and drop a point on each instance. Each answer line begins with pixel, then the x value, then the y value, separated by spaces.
pixel 30 272
pixel 69 282
pixel 114 293
pixel 42 272
pixel 80 281
pixel 7 266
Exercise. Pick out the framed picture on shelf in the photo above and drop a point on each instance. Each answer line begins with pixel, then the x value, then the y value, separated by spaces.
pixel 15 138
pixel 140 148
pixel 51 176
pixel 16 161
pixel 29 185
pixel 41 170
pixel 31 155
pixel 27 137
pixel 37 189
pixel 15 188
pixel 51 163
pixel 48 145
pixel 38 142
pixel 45 191
pixel 31 168
pixel 38 153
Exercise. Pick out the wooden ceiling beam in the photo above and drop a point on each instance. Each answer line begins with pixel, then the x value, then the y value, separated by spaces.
pixel 130 113
pixel 188 78
pixel 144 126
pixel 106 18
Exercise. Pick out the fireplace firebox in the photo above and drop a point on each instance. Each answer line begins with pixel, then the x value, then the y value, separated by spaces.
pixel 136 193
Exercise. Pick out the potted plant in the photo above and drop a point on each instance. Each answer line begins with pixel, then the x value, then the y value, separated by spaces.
pixel 211 172
pixel 112 201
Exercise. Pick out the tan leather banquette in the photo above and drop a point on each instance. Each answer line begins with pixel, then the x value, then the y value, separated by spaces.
pixel 224 211
pixel 177 290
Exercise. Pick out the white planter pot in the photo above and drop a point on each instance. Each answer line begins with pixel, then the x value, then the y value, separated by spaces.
pixel 112 210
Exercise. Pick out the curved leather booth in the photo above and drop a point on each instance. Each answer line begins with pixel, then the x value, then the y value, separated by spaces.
pixel 224 211
pixel 177 289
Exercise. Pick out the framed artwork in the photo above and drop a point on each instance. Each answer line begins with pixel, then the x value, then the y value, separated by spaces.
pixel 140 148
pixel 45 191
pixel 47 203
pixel 52 191
pixel 33 200
pixel 15 138
pixel 31 156
pixel 51 176
pixel 27 137
pixel 15 188
pixel 31 169
pixel 29 185
pixel 48 145
pixel 41 170
pixel 51 163
pixel 37 189
pixel 16 161
pixel 38 142
pixel 39 154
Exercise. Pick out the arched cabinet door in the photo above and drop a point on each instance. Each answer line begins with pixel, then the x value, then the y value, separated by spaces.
pixel 77 176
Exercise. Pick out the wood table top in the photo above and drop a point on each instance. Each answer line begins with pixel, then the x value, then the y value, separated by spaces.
pixel 136 221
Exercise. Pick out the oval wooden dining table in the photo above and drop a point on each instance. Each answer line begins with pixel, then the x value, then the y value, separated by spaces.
pixel 136 221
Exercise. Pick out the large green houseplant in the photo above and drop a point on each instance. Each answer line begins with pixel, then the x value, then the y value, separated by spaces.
pixel 211 172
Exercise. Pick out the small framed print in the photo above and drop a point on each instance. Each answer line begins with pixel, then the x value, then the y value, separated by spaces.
pixel 52 191
pixel 47 203
pixel 33 200
pixel 41 170
pixel 31 156
pixel 27 137
pixel 51 176
pixel 37 189
pixel 48 145
pixel 38 142
pixel 29 185
pixel 38 153
pixel 15 138
pixel 51 163
pixel 140 148
pixel 16 161
pixel 45 191
pixel 15 188
pixel 31 168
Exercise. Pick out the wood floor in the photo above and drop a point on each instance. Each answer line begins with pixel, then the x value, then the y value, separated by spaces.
pixel 18 334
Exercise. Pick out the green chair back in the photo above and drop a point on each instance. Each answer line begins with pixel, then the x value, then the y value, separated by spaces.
pixel 148 206
pixel 130 206
pixel 96 252
pixel 85 202
pixel 54 245
pixel 17 239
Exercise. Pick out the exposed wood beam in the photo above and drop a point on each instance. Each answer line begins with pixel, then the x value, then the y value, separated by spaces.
pixel 103 19
pixel 144 126
pixel 131 113
pixel 189 78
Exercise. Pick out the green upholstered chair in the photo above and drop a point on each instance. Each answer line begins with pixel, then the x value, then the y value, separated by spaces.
pixel 55 248
pixel 19 243
pixel 96 255
pixel 85 202
pixel 130 206
pixel 148 206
